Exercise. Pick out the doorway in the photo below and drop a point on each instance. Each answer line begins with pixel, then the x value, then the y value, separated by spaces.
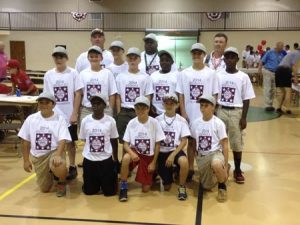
pixel 17 51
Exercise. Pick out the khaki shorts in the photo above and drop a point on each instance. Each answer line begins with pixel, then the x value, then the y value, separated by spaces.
pixel 42 169
pixel 231 118
pixel 208 178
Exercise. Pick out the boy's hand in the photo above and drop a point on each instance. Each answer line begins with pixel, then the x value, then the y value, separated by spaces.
pixel 151 167
pixel 170 160
pixel 243 123
pixel 27 166
pixel 57 160
pixel 134 157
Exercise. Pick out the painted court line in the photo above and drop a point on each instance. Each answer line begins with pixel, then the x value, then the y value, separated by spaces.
pixel 16 187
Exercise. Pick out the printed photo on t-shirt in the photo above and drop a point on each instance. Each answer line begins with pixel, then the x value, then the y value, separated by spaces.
pixel 93 89
pixel 131 93
pixel 96 143
pixel 169 140
pixel 161 91
pixel 43 141
pixel 227 94
pixel 196 90
pixel 204 143
pixel 142 146
pixel 61 94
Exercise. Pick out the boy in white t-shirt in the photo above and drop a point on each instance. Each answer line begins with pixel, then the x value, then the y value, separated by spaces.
pixel 95 80
pixel 100 152
pixel 130 85
pixel 164 82
pixel 211 144
pixel 44 136
pixel 234 99
pixel 141 143
pixel 63 82
pixel 192 83
pixel 177 131
pixel 119 65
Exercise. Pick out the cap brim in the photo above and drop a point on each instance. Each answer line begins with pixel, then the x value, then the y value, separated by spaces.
pixel 97 97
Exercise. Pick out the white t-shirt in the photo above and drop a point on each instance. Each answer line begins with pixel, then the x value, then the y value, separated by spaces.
pixel 163 83
pixel 44 133
pixel 245 54
pixel 130 86
pixel 234 88
pixel 63 86
pixel 216 64
pixel 97 135
pixel 117 69
pixel 152 63
pixel 194 83
pixel 174 128
pixel 208 134
pixel 144 136
pixel 83 63
pixel 94 82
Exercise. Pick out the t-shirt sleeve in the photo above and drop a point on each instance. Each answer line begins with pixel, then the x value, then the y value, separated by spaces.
pixel 82 132
pixel 215 87
pixel 64 133
pixel 119 91
pixel 221 129
pixel 78 64
pixel 159 134
pixel 77 82
pixel 193 131
pixel 114 132
pixel 24 132
pixel 126 136
pixel 179 86
pixel 185 130
pixel 148 86
pixel 46 86
pixel 112 89
pixel 248 92
pixel 265 57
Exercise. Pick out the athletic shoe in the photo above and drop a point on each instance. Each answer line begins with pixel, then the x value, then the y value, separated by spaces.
pixel 61 189
pixel 72 173
pixel 182 195
pixel 289 112
pixel 123 195
pixel 279 110
pixel 238 176
pixel 190 176
pixel 269 109
pixel 222 195
pixel 80 164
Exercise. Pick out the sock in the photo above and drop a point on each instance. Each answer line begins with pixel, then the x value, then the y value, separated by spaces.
pixel 237 156
pixel 123 185
pixel 222 186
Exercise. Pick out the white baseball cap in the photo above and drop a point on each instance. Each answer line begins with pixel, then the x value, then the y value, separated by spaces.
pixel 171 96
pixel 142 100
pixel 60 50
pixel 198 46
pixel 97 31
pixel 231 49
pixel 118 44
pixel 46 95
pixel 134 51
pixel 208 98
pixel 99 96
pixel 96 49
pixel 150 36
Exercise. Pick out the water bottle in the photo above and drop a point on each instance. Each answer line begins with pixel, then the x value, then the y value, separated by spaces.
pixel 18 92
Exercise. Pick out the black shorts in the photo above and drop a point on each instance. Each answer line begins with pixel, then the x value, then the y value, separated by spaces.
pixel 99 175
pixel 283 77
pixel 73 132
pixel 122 119
pixel 164 172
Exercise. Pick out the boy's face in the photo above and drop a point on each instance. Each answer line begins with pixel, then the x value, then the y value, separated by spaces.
pixel 170 106
pixel 197 56
pixel 98 39
pixel 231 59
pixel 133 60
pixel 117 52
pixel 206 108
pixel 94 58
pixel 98 106
pixel 60 60
pixel 220 44
pixel 142 111
pixel 165 62
pixel 45 105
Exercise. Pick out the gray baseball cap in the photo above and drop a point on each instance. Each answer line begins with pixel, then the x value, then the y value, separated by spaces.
pixel 59 50
pixel 96 49
pixel 134 51
pixel 142 100
pixel 150 36
pixel 231 49
pixel 118 44
pixel 208 98
pixel 97 31
pixel 198 46
pixel 46 95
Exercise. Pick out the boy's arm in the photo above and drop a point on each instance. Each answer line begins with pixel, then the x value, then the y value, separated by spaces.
pixel 243 121
pixel 224 144
pixel 118 103
pixel 152 165
pixel 77 102
pixel 25 152
pixel 112 102
pixel 182 107
pixel 114 144
pixel 170 159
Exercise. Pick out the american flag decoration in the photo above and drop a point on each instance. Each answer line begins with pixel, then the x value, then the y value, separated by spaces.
pixel 214 16
pixel 78 16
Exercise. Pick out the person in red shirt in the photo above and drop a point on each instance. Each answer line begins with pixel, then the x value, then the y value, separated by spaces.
pixel 20 79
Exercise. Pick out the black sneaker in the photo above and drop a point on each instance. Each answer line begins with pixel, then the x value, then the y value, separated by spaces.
pixel 72 173
pixel 182 195
pixel 190 176
pixel 269 109
pixel 123 195
pixel 279 110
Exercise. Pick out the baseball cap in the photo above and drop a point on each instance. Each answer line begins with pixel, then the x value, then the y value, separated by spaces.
pixel 208 98
pixel 46 95
pixel 99 96
pixel 170 96
pixel 97 31
pixel 134 51
pixel 142 100
pixel 198 46
pixel 13 63
pixel 231 49
pixel 164 52
pixel 60 50
pixel 96 49
pixel 150 36
pixel 118 44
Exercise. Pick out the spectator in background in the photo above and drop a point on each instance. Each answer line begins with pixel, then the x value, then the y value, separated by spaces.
pixel 3 62
pixel 287 49
pixel 245 54
pixel 250 58
pixel 296 46
pixel 257 58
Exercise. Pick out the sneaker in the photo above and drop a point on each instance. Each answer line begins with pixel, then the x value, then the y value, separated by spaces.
pixel 190 176
pixel 279 110
pixel 72 173
pixel 182 195
pixel 289 112
pixel 269 109
pixel 123 195
pixel 222 195
pixel 61 189
pixel 238 176
pixel 80 164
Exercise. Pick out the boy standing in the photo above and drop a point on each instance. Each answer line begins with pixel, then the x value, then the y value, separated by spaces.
pixel 63 82
pixel 211 144
pixel 234 99
pixel 141 143
pixel 99 131
pixel 177 131
pixel 44 136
